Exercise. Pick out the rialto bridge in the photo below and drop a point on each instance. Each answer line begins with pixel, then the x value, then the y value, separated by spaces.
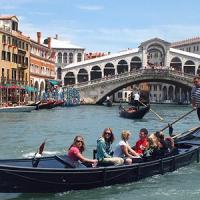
pixel 153 61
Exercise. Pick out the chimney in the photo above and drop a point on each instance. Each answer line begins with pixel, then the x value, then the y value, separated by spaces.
pixel 49 42
pixel 56 37
pixel 39 37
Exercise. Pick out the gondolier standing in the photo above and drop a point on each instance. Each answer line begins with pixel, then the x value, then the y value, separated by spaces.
pixel 195 94
pixel 137 100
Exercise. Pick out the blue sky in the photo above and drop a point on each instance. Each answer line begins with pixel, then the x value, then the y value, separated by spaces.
pixel 107 25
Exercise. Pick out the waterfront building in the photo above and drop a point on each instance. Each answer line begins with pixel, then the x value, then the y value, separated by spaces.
pixel 42 65
pixel 14 52
pixel 190 45
pixel 65 53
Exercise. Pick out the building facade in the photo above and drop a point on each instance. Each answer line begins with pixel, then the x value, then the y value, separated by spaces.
pixel 64 53
pixel 42 64
pixel 14 52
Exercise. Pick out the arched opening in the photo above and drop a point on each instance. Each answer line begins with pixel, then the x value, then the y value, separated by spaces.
pixel 189 67
pixel 155 55
pixel 109 70
pixel 170 93
pixel 95 73
pixel 176 64
pixel 36 85
pixel 42 86
pixel 59 57
pixel 82 76
pixel 65 58
pixel 198 70
pixel 177 94
pixel 69 79
pixel 59 73
pixel 164 93
pixel 122 67
pixel 136 63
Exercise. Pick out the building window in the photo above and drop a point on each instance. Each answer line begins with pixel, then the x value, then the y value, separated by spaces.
pixel 3 55
pixel 71 57
pixel 79 57
pixel 2 72
pixel 14 74
pixel 8 74
pixel 3 39
pixel 59 57
pixel 65 58
pixel 8 56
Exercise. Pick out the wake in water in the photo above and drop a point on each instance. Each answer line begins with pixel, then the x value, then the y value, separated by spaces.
pixel 45 153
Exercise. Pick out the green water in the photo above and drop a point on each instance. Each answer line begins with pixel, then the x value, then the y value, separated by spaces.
pixel 22 133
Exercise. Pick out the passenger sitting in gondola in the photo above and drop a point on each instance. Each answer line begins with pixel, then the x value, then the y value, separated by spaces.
pixel 104 149
pixel 124 150
pixel 142 144
pixel 75 153
pixel 159 146
pixel 131 109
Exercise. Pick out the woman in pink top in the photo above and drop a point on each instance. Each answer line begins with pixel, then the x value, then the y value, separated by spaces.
pixel 76 150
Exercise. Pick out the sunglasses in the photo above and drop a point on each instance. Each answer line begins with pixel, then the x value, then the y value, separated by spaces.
pixel 79 141
pixel 108 133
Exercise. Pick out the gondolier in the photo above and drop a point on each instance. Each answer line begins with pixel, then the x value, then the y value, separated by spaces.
pixel 195 94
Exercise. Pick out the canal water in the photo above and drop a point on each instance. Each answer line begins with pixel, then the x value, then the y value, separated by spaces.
pixel 22 133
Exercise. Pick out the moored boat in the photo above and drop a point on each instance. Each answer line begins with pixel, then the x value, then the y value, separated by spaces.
pixel 133 113
pixel 58 174
pixel 17 108
pixel 46 105
pixel 108 103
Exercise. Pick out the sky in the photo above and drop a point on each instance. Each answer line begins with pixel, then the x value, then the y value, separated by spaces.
pixel 106 25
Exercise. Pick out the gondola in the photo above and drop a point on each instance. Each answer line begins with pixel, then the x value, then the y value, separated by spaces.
pixel 132 113
pixel 46 105
pixel 57 173
pixel 108 103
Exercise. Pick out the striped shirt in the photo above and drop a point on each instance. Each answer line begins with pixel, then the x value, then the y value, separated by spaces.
pixel 195 95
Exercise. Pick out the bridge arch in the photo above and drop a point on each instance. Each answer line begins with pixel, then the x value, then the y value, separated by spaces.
pixel 59 72
pixel 176 64
pixel 136 63
pixel 69 79
pixel 156 54
pixel 170 93
pixel 122 66
pixel 109 69
pixel 95 73
pixel 82 76
pixel 189 67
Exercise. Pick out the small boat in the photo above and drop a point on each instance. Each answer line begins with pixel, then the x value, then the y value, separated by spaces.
pixel 46 105
pixel 108 103
pixel 133 113
pixel 58 103
pixel 58 174
pixel 17 109
pixel 36 104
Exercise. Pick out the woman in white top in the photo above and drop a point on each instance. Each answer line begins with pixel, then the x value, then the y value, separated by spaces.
pixel 123 148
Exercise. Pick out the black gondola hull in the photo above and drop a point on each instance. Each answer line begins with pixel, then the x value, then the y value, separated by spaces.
pixel 52 176
pixel 139 114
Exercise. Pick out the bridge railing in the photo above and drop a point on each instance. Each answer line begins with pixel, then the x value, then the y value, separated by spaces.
pixel 138 73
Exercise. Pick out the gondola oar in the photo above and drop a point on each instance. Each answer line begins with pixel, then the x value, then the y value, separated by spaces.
pixel 181 117
pixel 153 111
pixel 38 154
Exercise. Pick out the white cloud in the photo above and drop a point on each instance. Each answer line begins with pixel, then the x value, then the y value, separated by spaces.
pixel 90 7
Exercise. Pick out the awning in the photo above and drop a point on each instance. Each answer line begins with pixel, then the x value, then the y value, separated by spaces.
pixel 30 89
pixel 53 82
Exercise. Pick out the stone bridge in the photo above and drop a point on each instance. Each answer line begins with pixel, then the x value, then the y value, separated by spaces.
pixel 96 91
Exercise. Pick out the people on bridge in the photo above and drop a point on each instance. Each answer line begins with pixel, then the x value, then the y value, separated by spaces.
pixel 123 148
pixel 104 149
pixel 75 153
pixel 195 95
